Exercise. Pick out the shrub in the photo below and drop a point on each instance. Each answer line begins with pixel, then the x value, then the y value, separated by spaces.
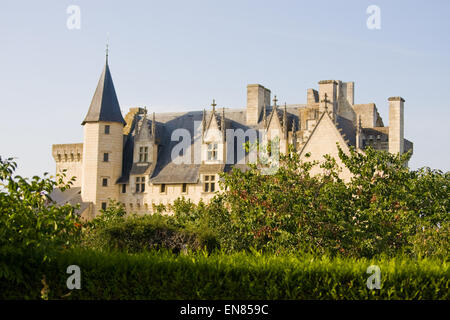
pixel 112 230
pixel 162 275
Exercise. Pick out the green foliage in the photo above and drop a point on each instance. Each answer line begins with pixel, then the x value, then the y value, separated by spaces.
pixel 379 211
pixel 188 213
pixel 163 275
pixel 28 216
pixel 113 231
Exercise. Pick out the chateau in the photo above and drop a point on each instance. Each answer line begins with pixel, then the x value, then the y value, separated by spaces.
pixel 138 160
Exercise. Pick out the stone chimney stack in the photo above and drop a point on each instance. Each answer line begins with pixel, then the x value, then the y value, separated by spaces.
pixel 348 88
pixel 396 127
pixel 257 98
pixel 312 97
pixel 328 87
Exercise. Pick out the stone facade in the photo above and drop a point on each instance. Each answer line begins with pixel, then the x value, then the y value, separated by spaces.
pixel 138 160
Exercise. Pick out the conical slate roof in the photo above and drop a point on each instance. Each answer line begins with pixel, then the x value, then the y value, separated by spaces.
pixel 104 105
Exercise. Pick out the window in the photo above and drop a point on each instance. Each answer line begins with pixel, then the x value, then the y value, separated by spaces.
pixel 209 184
pixel 162 188
pixel 59 157
pixel 72 158
pixel 124 188
pixel 143 154
pixel 104 182
pixel 105 157
pixel 107 129
pixel 103 205
pixel 212 151
pixel 184 188
pixel 140 184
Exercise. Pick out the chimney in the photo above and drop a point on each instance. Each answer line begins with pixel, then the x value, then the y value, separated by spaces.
pixel 328 87
pixel 396 127
pixel 312 97
pixel 257 98
pixel 350 91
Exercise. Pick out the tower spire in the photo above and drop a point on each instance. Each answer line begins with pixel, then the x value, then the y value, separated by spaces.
pixel 107 47
pixel 104 105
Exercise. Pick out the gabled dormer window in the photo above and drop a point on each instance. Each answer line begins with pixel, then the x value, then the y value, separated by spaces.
pixel 143 154
pixel 212 151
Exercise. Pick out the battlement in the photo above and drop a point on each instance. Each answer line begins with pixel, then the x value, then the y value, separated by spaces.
pixel 68 158
pixel 69 152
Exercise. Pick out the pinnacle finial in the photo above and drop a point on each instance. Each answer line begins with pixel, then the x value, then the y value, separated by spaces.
pixel 107 47
pixel 213 104
pixel 222 121
pixel 275 101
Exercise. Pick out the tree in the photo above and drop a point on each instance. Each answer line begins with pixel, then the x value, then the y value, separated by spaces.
pixel 29 218
pixel 380 210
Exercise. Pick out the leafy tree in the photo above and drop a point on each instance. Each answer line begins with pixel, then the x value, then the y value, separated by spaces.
pixel 29 218
pixel 380 210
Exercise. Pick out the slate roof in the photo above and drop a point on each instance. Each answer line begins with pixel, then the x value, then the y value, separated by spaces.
pixel 347 129
pixel 167 171
pixel 104 105
pixel 70 196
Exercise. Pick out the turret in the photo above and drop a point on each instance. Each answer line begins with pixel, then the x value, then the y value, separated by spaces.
pixel 103 145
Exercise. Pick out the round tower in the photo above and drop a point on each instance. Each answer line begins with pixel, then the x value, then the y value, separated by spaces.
pixel 102 146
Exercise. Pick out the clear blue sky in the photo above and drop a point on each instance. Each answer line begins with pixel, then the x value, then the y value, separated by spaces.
pixel 178 55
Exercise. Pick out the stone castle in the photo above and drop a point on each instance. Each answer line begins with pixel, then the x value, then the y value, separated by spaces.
pixel 132 160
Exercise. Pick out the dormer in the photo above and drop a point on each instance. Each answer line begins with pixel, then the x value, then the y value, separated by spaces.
pixel 145 142
pixel 213 137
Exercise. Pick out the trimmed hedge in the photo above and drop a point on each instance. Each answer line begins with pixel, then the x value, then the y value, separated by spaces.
pixel 164 275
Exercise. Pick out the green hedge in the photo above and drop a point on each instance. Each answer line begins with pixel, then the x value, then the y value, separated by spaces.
pixel 138 233
pixel 163 275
